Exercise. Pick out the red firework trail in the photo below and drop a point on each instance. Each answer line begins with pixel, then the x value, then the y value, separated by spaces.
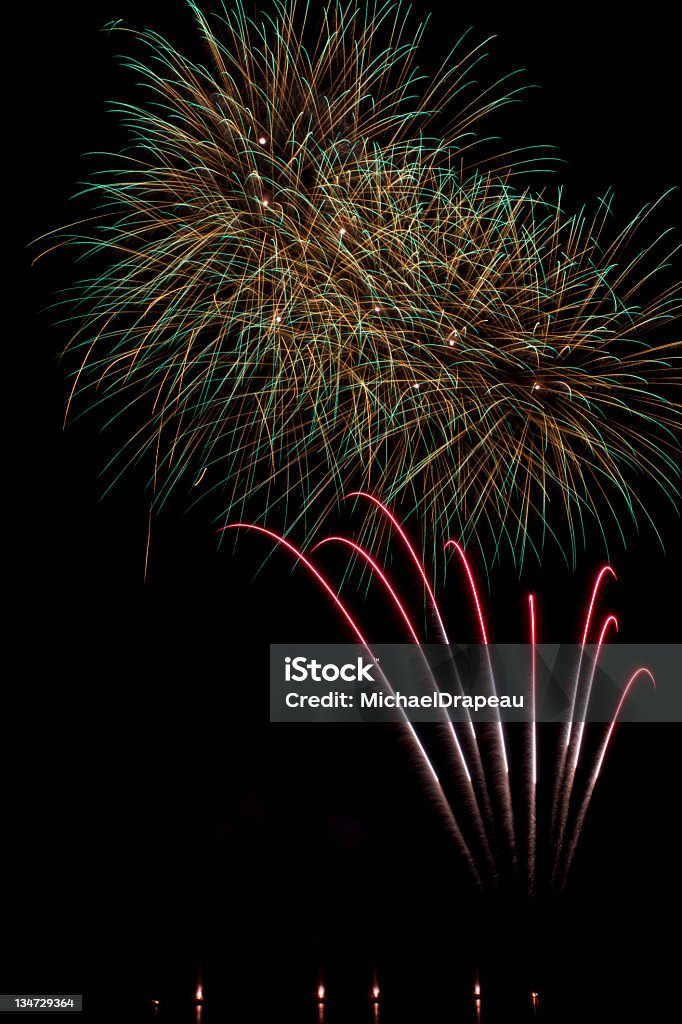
pixel 437 792
pixel 483 782
pixel 483 808
pixel 599 761
pixel 501 761
pixel 571 753
pixel 532 759
pixel 375 568
pixel 560 771
pixel 396 600
pixel 449 724
pixel 413 554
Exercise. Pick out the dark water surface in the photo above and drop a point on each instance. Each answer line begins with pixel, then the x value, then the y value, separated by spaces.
pixel 495 1006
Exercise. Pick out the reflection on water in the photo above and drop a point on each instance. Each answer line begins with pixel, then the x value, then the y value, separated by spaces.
pixel 480 1005
pixel 477 999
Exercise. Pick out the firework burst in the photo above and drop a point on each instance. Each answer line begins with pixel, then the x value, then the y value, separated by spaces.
pixel 488 798
pixel 300 280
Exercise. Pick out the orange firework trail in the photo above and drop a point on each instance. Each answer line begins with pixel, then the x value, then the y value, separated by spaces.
pixel 304 271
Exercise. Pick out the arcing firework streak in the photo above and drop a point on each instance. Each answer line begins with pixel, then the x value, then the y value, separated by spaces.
pixel 492 817
pixel 301 280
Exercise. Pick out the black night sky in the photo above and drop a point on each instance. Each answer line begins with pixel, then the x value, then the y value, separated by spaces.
pixel 153 820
